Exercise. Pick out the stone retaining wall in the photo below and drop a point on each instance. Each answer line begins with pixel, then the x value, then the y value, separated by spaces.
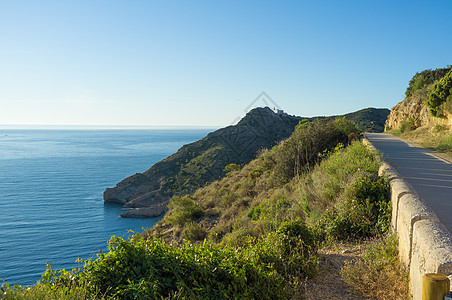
pixel 425 245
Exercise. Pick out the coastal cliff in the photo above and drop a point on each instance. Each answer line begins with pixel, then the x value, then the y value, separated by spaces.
pixel 197 164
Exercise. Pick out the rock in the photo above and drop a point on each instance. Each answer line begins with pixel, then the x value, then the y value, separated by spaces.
pixel 128 189
pixel 146 212
pixel 415 109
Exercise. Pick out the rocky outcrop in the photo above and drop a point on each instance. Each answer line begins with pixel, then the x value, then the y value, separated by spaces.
pixel 201 162
pixel 152 211
pixel 129 188
pixel 414 110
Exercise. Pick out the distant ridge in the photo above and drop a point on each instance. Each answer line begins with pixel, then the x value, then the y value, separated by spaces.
pixel 369 119
pixel 196 164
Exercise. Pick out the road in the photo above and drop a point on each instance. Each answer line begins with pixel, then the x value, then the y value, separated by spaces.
pixel 430 176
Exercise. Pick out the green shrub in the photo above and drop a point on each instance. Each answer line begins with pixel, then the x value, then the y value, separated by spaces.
pixel 407 125
pixel 194 232
pixel 47 291
pixel 255 174
pixel 296 238
pixel 445 143
pixel 439 128
pixel 364 210
pixel 227 200
pixel 291 250
pixel 254 213
pixel 320 189
pixel 151 269
pixel 182 210
pixel 423 79
pixel 439 94
pixel 347 126
pixel 305 147
pixel 232 168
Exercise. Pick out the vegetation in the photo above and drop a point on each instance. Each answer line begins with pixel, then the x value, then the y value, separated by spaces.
pixel 364 210
pixel 407 125
pixel 438 138
pixel 380 272
pixel 255 234
pixel 151 269
pixel 255 199
pixel 440 93
pixel 434 88
pixel 369 119
pixel 425 78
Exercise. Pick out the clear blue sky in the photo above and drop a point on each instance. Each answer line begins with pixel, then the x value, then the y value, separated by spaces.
pixel 201 63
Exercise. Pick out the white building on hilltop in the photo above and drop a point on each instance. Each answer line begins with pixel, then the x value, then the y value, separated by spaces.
pixel 278 111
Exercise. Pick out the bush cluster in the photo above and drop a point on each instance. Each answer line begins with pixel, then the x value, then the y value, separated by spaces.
pixel 305 147
pixel 323 187
pixel 182 210
pixel 407 125
pixel 440 93
pixel 363 211
pixel 423 79
pixel 154 270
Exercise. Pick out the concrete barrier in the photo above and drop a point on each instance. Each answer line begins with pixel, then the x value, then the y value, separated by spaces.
pixel 411 210
pixel 431 253
pixel 399 188
pixel 425 245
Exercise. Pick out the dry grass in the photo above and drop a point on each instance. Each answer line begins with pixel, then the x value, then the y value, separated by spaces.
pixel 358 270
pixel 329 284
pixel 378 272
pixel 438 139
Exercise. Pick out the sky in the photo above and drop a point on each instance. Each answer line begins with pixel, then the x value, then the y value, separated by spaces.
pixel 205 63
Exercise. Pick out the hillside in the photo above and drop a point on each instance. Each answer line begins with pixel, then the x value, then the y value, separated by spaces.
pixel 201 162
pixel 425 115
pixel 369 119
pixel 255 199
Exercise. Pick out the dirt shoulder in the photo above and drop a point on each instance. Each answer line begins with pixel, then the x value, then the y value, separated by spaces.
pixel 328 283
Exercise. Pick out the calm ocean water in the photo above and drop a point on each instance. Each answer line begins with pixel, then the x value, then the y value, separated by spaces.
pixel 51 186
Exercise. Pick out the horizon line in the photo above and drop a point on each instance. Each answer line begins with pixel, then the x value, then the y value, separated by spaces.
pixel 93 126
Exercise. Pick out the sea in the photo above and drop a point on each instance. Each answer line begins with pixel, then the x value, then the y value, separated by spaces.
pixel 51 192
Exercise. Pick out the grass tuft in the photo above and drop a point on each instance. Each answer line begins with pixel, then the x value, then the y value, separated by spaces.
pixel 378 274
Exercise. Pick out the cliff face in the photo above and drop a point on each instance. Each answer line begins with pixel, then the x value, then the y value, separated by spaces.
pixel 196 164
pixel 415 110
pixel 427 95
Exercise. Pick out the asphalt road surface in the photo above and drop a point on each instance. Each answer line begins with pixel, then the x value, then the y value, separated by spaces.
pixel 430 176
